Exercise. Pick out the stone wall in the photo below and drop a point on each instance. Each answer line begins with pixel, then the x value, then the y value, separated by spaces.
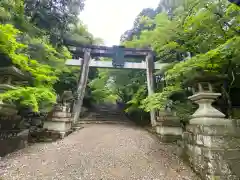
pixel 13 136
pixel 214 151
pixel 12 140
pixel 211 149
pixel 210 142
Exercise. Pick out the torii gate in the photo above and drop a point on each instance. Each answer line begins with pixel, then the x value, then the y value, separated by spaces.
pixel 119 55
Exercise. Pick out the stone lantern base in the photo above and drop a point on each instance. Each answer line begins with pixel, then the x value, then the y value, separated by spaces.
pixel 58 124
pixel 168 127
pixel 211 142
pixel 13 135
pixel 214 150
pixel 7 109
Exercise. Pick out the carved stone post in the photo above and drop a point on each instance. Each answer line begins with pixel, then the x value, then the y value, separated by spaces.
pixel 58 123
pixel 168 127
pixel 212 143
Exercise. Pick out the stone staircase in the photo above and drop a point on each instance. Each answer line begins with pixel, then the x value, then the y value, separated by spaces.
pixel 104 114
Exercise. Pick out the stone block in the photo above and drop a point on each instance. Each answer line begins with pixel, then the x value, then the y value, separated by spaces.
pixel 222 154
pixel 188 138
pixel 59 119
pixel 226 142
pixel 217 166
pixel 169 138
pixel 214 130
pixel 169 123
pixel 37 121
pixel 213 136
pixel 57 126
pixel 13 143
pixel 169 134
pixel 203 165
pixel 7 110
pixel 235 166
pixel 222 162
pixel 220 177
pixel 61 114
pixel 210 121
pixel 168 127
pixel 236 122
pixel 165 130
pixel 197 162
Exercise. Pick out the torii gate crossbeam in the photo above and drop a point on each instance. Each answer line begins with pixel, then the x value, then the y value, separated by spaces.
pixel 108 64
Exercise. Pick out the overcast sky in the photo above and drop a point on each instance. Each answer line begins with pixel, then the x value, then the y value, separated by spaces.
pixel 109 19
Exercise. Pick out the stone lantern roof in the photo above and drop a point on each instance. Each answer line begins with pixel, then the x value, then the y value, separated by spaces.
pixel 16 73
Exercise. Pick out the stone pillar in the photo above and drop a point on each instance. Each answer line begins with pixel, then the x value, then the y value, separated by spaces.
pixel 212 143
pixel 82 85
pixel 150 84
pixel 168 127
pixel 59 122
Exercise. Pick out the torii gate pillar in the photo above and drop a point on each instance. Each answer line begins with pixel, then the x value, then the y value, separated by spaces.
pixel 150 84
pixel 77 109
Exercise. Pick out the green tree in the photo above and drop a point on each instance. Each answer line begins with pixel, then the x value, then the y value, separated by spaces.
pixel 189 35
pixel 31 38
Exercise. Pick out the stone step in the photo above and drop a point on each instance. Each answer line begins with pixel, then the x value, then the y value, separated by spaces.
pixel 113 113
pixel 106 116
pixel 103 119
pixel 107 111
pixel 80 123
pixel 109 115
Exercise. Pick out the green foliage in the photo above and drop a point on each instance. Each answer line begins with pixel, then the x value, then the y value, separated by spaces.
pixel 103 88
pixel 191 36
pixel 41 50
pixel 53 16
pixel 135 102
pixel 43 75
pixel 184 109
pixel 31 37
pixel 13 49
pixel 11 10
pixel 31 96
pixel 214 60
pixel 159 101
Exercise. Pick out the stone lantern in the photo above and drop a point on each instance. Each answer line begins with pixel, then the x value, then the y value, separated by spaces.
pixel 211 142
pixel 13 134
pixel 9 77
pixel 204 96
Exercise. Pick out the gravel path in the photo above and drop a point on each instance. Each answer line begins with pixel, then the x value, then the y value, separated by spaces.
pixel 99 152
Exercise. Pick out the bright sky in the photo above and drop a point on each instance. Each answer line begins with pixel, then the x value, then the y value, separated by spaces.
pixel 109 19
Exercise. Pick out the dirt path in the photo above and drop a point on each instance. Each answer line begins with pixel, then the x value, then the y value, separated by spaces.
pixel 99 152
